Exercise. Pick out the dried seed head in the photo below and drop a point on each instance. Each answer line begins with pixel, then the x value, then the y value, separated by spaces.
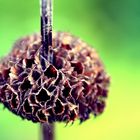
pixel 74 86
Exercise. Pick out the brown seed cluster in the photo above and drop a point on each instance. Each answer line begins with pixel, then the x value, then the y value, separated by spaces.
pixel 74 86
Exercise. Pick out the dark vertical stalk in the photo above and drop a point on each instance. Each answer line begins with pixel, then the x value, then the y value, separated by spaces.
pixel 46 52
pixel 46 29
pixel 47 131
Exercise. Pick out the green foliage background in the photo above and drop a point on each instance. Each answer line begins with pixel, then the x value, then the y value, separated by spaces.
pixel 113 28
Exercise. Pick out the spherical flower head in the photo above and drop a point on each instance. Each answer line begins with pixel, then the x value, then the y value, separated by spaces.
pixel 70 88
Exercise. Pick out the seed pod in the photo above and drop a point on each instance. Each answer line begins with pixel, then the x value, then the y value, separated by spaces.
pixel 71 87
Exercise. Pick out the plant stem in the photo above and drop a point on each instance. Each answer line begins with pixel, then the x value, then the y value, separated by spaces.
pixel 47 131
pixel 46 52
pixel 46 29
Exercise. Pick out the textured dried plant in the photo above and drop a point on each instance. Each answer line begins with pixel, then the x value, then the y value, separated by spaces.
pixel 71 87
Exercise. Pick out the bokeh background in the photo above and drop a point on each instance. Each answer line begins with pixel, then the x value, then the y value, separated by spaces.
pixel 113 28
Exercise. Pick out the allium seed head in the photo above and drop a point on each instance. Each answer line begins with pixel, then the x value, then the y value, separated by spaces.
pixel 71 87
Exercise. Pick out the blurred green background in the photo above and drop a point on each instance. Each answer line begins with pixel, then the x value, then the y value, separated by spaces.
pixel 113 28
